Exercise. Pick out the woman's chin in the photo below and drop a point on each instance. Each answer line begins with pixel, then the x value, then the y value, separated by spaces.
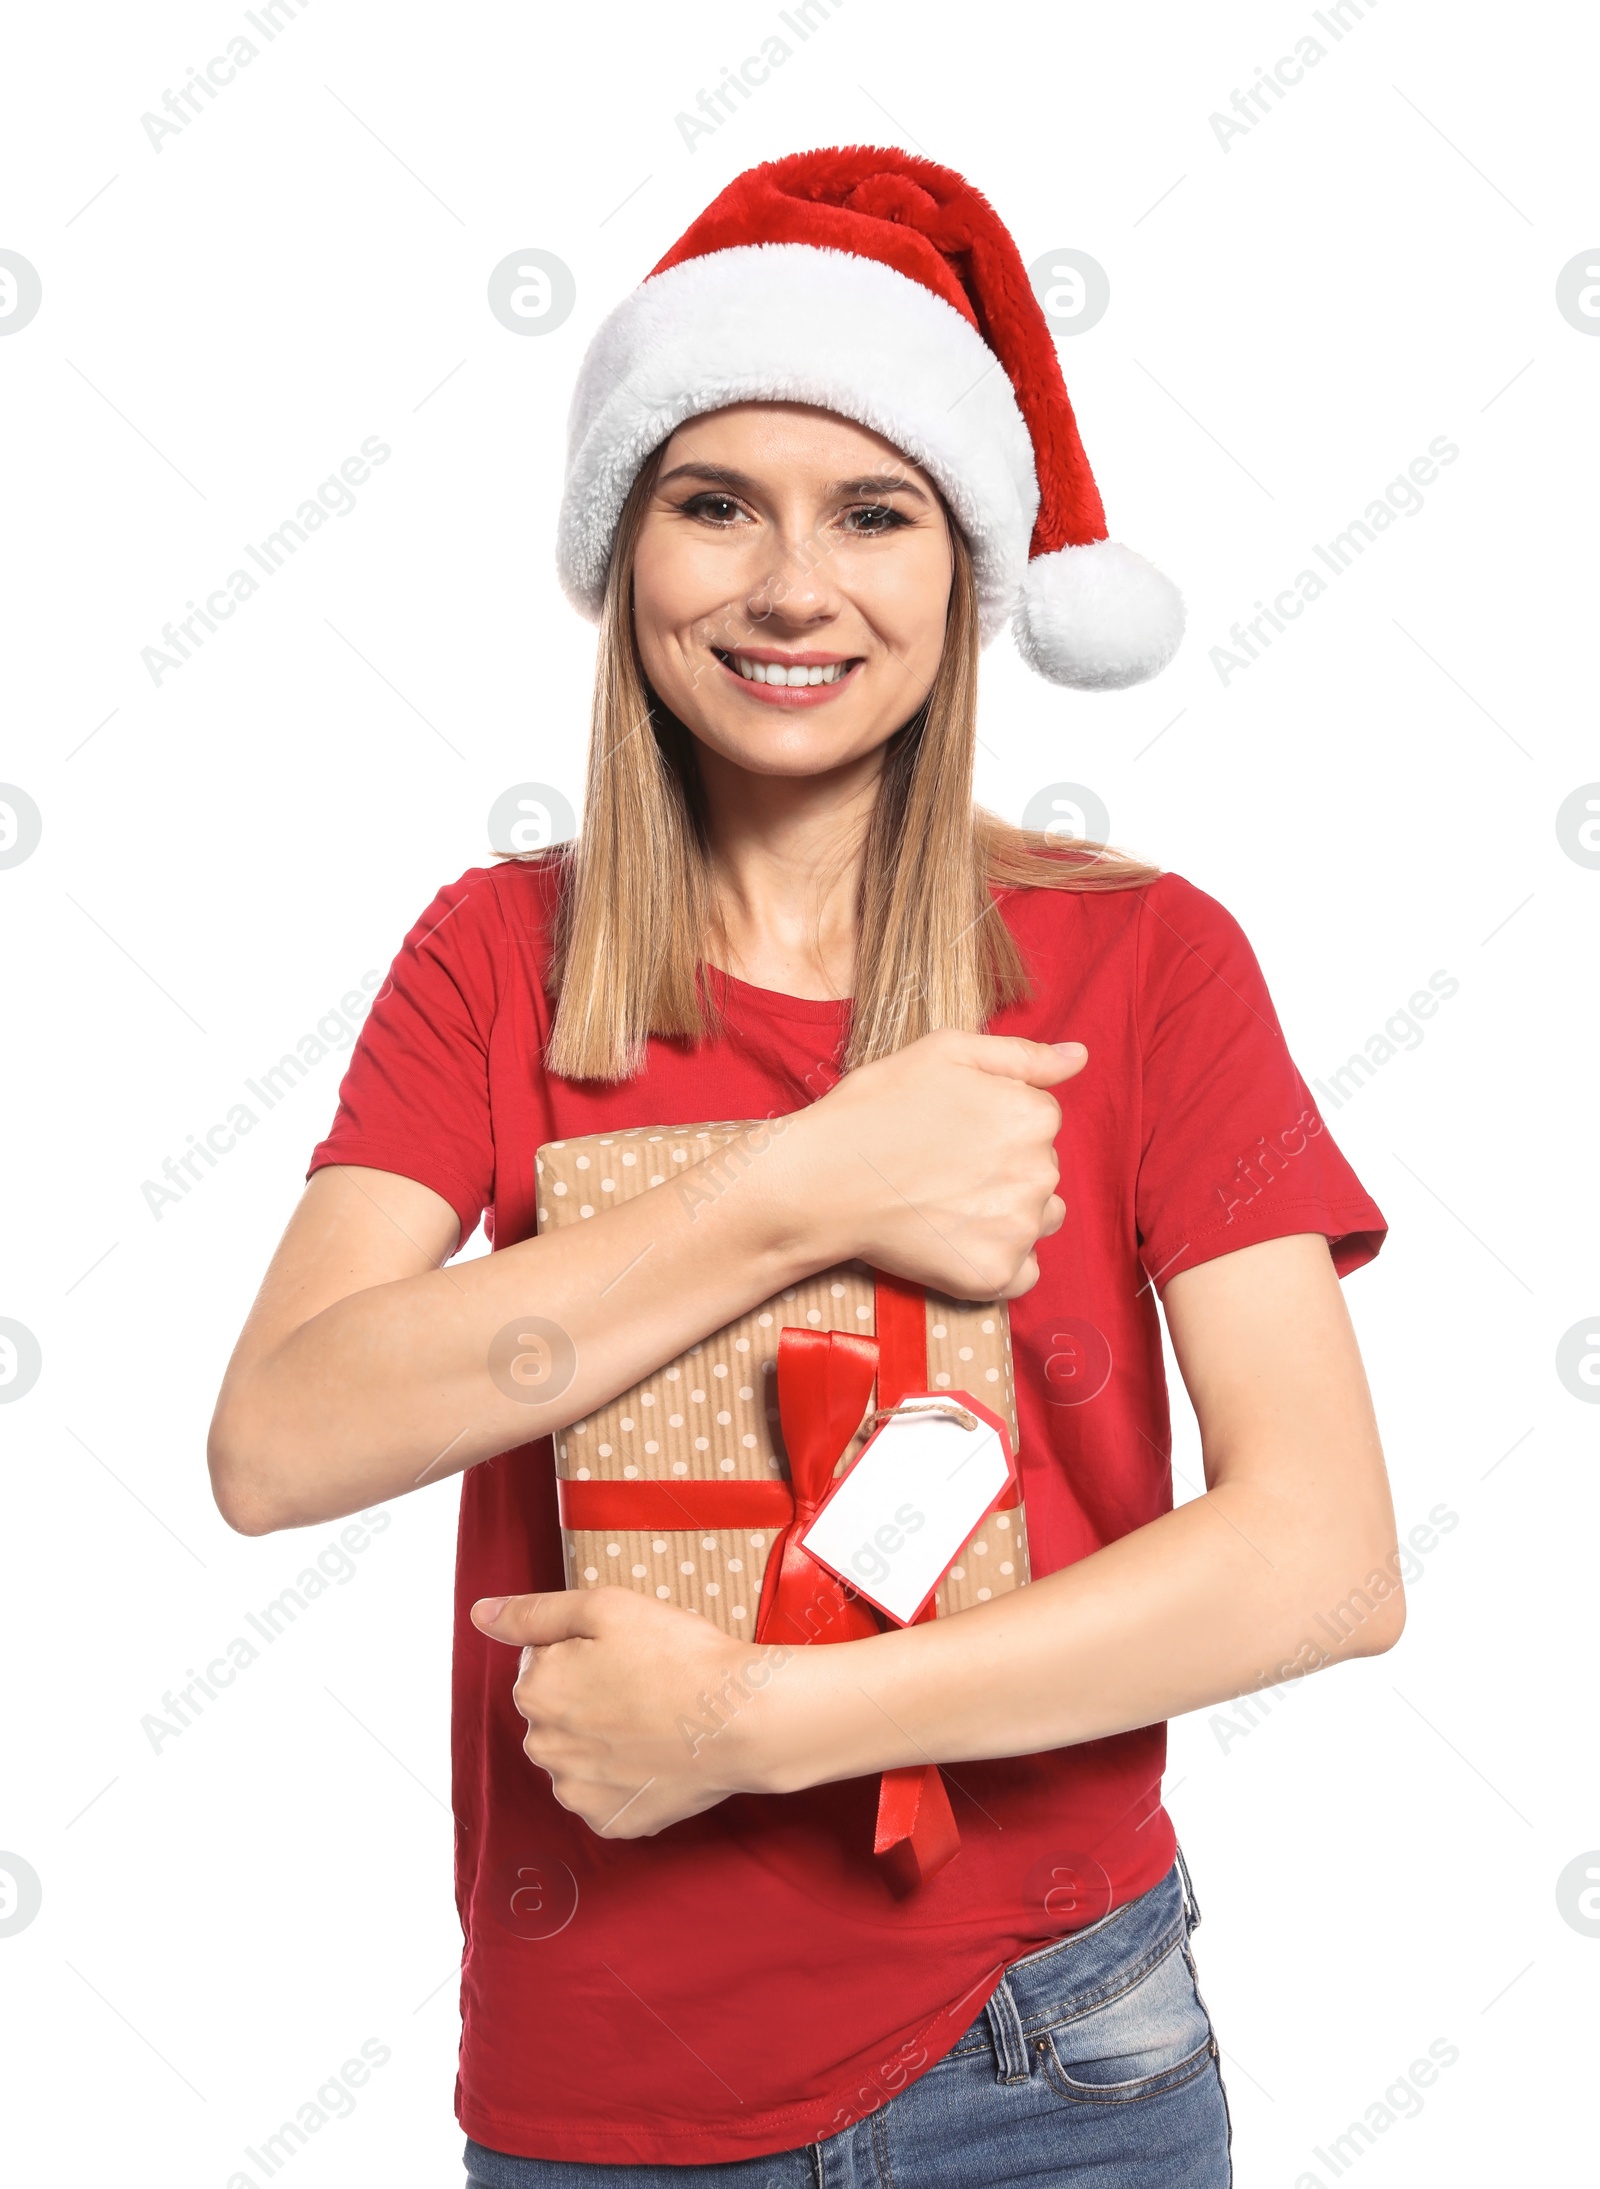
pixel 792 741
pixel 795 747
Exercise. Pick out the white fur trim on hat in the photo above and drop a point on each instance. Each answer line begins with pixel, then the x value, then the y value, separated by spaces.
pixel 790 322
pixel 1097 617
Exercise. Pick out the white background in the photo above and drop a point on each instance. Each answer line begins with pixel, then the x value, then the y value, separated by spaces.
pixel 1292 320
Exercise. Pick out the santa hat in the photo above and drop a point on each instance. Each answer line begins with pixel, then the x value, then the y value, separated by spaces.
pixel 884 288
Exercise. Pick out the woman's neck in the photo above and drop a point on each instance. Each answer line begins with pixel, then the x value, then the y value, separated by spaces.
pixel 786 864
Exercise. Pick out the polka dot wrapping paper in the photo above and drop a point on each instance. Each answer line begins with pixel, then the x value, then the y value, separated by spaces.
pixel 712 1414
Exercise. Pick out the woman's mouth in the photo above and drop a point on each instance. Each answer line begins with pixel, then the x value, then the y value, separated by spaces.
pixel 789 680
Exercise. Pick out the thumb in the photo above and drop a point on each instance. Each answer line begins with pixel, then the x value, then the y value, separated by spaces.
pixel 1036 1063
pixel 557 1615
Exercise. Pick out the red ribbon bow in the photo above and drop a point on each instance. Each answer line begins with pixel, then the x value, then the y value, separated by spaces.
pixel 825 1379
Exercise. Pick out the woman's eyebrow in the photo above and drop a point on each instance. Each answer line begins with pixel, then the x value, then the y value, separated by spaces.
pixel 882 482
pixel 740 482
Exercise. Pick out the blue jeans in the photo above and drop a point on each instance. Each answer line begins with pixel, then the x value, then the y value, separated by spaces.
pixel 1094 2058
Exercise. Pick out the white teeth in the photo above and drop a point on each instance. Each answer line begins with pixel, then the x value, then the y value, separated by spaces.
pixel 778 672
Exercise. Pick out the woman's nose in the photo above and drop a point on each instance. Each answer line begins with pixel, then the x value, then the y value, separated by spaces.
pixel 794 583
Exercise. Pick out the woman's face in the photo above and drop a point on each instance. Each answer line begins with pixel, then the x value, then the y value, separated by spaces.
pixel 790 585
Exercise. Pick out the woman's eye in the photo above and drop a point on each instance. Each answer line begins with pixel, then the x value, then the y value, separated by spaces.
pixel 715 508
pixel 874 517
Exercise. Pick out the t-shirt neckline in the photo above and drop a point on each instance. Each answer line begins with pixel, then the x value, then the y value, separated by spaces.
pixel 774 1003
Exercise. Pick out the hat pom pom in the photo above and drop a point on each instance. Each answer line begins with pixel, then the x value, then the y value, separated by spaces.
pixel 1098 617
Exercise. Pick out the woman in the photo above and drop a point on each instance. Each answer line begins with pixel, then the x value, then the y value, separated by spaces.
pixel 820 455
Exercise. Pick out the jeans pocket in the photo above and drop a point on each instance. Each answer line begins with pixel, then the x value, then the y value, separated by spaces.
pixel 1154 2036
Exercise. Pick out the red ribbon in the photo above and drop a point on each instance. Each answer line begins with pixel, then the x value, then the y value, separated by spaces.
pixel 900 1317
pixel 825 1380
pixel 916 1832
pixel 660 1504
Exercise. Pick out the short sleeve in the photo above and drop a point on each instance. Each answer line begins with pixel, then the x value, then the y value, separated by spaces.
pixel 1233 1149
pixel 415 1096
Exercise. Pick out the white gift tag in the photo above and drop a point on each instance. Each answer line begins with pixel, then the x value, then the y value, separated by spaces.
pixel 894 1523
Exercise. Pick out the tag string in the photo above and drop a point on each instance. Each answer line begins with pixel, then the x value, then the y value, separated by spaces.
pixel 950 1407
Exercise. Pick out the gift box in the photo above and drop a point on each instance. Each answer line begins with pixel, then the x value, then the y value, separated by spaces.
pixel 685 1486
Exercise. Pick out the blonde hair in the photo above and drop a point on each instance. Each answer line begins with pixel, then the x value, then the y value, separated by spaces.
pixel 637 898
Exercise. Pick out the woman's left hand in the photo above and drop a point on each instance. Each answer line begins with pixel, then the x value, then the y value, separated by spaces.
pixel 640 1712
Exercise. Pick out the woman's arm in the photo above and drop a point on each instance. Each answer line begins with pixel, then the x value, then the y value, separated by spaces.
pixel 364 1368
pixel 1284 1564
pixel 1237 1589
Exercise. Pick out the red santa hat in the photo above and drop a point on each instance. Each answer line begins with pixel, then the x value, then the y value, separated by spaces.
pixel 884 288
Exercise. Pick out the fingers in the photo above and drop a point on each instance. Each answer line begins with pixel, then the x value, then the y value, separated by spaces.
pixel 560 1615
pixel 1024 1281
pixel 1036 1063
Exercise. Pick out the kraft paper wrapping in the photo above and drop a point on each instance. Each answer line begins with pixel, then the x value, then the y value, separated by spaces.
pixel 712 1414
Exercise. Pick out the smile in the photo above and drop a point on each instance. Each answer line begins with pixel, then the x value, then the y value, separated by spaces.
pixel 790 680
pixel 778 672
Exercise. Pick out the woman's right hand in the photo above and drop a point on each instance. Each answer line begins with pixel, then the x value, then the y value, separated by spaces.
pixel 936 1163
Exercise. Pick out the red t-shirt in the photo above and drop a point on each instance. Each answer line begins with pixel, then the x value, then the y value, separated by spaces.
pixel 745 1981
